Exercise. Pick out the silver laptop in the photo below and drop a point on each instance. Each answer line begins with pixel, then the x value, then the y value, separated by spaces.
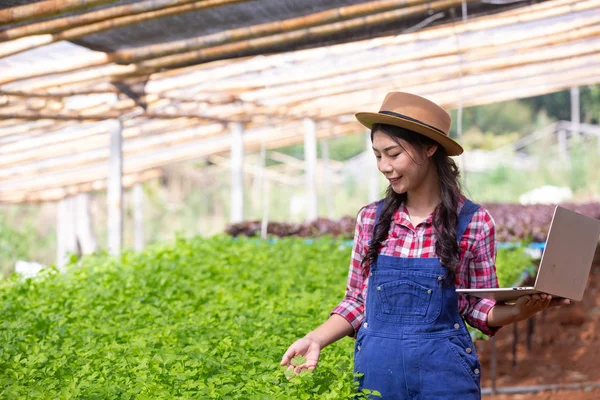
pixel 566 261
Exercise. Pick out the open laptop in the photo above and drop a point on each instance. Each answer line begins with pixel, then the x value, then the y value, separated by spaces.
pixel 566 260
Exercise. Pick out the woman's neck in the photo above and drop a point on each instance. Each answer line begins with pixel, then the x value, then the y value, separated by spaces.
pixel 422 200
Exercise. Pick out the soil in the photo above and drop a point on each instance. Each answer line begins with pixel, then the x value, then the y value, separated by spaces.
pixel 565 349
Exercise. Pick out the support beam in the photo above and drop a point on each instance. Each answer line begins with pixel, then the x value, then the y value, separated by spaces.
pixel 115 190
pixel 237 173
pixel 138 216
pixel 372 171
pixel 65 233
pixel 83 224
pixel 327 177
pixel 310 159
pixel 575 115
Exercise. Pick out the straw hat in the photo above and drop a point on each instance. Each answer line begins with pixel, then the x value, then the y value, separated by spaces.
pixel 417 114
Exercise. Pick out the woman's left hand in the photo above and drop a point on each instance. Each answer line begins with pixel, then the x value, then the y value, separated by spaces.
pixel 527 306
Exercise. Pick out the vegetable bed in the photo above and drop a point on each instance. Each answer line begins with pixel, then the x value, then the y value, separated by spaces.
pixel 198 318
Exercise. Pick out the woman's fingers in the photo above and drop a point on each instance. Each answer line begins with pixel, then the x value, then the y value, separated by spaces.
pixel 289 354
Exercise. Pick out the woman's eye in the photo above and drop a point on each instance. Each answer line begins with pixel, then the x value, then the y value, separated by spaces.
pixel 394 155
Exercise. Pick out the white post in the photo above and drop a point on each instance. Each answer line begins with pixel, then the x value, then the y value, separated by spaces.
pixel 138 216
pixel 372 170
pixel 327 177
pixel 310 161
pixel 65 232
pixel 237 173
pixel 83 224
pixel 115 189
pixel 575 116
pixel 264 186
pixel 562 144
pixel 264 226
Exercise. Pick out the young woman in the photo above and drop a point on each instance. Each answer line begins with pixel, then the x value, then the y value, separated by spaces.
pixel 411 250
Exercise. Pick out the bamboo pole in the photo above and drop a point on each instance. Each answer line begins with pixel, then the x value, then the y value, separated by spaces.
pixel 98 151
pixel 131 70
pixel 409 62
pixel 262 43
pixel 105 25
pixel 57 194
pixel 71 21
pixel 157 158
pixel 529 14
pixel 266 29
pixel 447 71
pixel 80 141
pixel 45 8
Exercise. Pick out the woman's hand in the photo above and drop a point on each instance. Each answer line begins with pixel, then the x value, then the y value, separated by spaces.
pixel 307 347
pixel 527 306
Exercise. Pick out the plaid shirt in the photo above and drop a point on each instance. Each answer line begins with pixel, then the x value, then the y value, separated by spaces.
pixel 476 268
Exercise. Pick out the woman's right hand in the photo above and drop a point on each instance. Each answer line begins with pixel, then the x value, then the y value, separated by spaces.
pixel 307 347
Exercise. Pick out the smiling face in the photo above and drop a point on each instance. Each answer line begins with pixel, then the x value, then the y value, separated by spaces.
pixel 404 165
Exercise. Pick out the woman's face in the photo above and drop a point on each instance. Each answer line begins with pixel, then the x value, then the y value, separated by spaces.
pixel 402 164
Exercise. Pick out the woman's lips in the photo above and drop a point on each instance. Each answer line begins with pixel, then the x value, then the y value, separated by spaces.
pixel 393 180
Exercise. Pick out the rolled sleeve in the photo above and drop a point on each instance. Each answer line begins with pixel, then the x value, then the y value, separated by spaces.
pixel 481 275
pixel 352 307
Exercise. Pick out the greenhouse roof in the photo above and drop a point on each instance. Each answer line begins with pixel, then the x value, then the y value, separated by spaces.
pixel 177 76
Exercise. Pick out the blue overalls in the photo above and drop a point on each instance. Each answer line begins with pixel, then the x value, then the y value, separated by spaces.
pixel 413 343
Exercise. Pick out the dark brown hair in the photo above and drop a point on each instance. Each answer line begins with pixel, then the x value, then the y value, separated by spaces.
pixel 445 215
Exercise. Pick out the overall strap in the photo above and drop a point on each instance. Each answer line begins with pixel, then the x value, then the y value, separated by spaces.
pixel 465 216
pixel 380 205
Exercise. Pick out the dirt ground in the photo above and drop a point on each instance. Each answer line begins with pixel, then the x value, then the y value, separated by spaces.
pixel 565 349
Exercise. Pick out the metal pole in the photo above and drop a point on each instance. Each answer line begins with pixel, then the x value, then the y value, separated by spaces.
pixel 310 161
pixel 237 173
pixel 115 189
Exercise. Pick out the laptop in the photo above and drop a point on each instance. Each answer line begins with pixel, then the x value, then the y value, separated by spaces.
pixel 566 261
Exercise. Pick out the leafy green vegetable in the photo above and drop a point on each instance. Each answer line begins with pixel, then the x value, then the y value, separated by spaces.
pixel 199 318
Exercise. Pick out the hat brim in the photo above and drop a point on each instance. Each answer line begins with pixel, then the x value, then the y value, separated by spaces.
pixel 368 119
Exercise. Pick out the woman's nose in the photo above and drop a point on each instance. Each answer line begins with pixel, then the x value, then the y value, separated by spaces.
pixel 384 165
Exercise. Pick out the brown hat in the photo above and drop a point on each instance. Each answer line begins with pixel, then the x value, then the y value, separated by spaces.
pixel 417 114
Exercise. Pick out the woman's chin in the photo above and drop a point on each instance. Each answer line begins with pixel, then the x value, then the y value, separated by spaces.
pixel 398 189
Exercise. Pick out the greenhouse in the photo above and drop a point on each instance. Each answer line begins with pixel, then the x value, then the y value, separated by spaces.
pixel 180 182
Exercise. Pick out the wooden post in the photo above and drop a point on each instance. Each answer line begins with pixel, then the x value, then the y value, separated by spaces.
pixel 115 189
pixel 138 216
pixel 372 171
pixel 83 224
pixel 237 173
pixel 575 116
pixel 327 177
pixel 310 161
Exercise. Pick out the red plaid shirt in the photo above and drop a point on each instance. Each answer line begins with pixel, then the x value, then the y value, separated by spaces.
pixel 476 268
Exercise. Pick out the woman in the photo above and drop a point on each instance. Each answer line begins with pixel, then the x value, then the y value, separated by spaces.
pixel 411 250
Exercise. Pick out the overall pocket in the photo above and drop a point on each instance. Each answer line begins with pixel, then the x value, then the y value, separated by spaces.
pixel 405 300
pixel 463 351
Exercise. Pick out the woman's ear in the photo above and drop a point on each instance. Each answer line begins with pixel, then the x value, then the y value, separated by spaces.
pixel 431 149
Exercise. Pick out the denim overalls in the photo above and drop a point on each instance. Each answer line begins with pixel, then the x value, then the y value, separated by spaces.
pixel 413 343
